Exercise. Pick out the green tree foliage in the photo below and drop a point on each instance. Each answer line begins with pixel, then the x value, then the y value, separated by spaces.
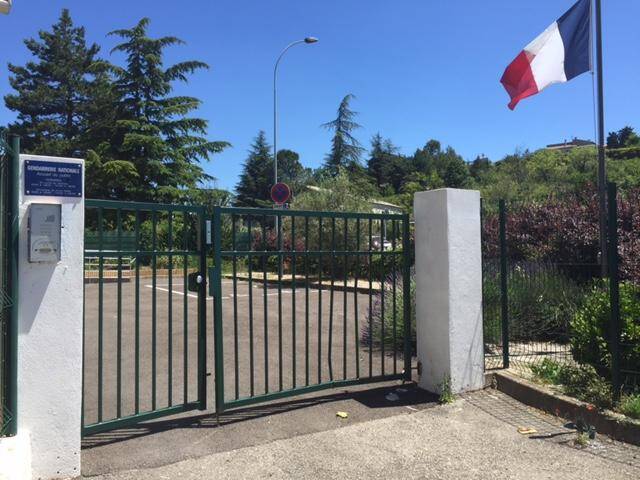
pixel 292 172
pixel 382 154
pixel 154 131
pixel 345 148
pixel 335 193
pixel 210 197
pixel 56 92
pixel 480 165
pixel 442 167
pixel 138 141
pixel 254 187
pixel 625 137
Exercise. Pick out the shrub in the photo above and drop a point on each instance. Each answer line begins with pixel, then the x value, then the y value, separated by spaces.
pixel 548 371
pixel 542 302
pixel 565 231
pixel 491 306
pixel 584 383
pixel 581 381
pixel 590 328
pixel 630 406
pixel 377 338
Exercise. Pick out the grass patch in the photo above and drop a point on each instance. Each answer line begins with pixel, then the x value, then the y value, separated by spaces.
pixel 578 381
pixel 547 372
pixel 630 406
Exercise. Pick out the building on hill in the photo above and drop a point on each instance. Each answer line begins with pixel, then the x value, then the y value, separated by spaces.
pixel 566 146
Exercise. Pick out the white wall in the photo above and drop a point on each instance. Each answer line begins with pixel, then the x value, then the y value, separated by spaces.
pixel 15 457
pixel 449 289
pixel 50 341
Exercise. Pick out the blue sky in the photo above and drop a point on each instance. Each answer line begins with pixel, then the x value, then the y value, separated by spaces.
pixel 420 69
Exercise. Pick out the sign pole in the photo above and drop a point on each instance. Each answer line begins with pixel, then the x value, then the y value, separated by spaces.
pixel 602 167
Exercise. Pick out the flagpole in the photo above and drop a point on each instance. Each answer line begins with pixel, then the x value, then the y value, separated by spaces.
pixel 602 168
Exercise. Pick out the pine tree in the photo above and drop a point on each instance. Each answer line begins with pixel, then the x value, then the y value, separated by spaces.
pixel 383 155
pixel 345 148
pixel 55 90
pixel 153 130
pixel 254 187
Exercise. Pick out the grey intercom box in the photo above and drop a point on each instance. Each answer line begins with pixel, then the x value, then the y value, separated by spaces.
pixel 45 228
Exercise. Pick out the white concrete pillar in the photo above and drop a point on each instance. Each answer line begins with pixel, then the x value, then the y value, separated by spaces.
pixel 50 329
pixel 449 289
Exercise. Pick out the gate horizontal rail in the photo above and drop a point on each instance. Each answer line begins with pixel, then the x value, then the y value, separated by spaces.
pixel 266 350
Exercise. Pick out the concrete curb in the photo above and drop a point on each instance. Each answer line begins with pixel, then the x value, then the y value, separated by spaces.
pixel 606 422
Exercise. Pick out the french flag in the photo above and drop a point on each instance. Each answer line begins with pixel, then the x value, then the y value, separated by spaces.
pixel 560 53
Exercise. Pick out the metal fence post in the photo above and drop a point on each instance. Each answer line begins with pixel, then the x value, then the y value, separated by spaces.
pixel 11 385
pixel 406 291
pixel 216 282
pixel 202 310
pixel 504 294
pixel 614 291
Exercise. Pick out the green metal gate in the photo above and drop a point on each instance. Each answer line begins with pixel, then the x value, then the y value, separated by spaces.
pixel 305 301
pixel 9 231
pixel 144 330
pixel 302 301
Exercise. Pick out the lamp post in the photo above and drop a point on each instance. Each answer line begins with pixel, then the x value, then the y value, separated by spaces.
pixel 307 40
pixel 5 6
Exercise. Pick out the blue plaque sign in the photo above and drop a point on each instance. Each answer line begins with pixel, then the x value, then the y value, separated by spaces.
pixel 52 179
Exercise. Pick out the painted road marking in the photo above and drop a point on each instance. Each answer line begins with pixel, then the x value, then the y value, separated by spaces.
pixel 227 297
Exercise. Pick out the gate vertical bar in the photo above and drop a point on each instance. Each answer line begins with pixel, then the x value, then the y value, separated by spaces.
pixel 137 314
pixel 217 310
pixel 504 294
pixel 234 263
pixel 154 290
pixel 170 310
pixel 202 306
pixel 119 317
pixel 614 291
pixel 250 265
pixel 406 295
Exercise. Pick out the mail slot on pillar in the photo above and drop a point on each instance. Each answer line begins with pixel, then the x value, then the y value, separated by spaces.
pixel 45 227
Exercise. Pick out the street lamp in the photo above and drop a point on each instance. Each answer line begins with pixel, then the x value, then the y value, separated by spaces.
pixel 275 103
pixel 5 6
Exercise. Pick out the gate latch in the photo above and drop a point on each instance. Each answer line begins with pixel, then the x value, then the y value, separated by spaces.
pixel 194 280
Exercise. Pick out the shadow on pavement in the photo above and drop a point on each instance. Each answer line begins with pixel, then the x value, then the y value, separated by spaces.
pixel 408 395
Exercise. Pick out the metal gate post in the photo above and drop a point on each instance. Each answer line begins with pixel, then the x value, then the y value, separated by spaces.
pixel 504 292
pixel 202 311
pixel 216 283
pixel 13 242
pixel 614 292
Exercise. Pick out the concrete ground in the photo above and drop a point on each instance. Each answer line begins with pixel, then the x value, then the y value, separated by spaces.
pixel 196 434
pixel 475 438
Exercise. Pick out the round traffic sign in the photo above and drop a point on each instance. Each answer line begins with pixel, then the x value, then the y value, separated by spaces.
pixel 280 193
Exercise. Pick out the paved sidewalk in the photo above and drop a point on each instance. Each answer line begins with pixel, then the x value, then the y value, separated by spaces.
pixel 474 438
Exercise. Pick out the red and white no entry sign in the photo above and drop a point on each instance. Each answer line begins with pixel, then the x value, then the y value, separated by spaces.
pixel 280 193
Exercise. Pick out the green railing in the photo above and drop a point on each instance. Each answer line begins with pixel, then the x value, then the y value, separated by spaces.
pixel 9 230
pixel 144 333
pixel 308 301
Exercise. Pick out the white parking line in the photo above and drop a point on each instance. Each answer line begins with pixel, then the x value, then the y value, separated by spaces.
pixel 175 292
pixel 226 297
